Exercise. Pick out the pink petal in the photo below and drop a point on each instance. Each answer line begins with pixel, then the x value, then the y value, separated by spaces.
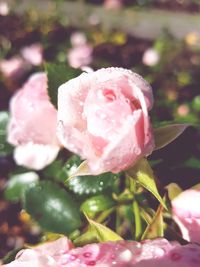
pixel 148 253
pixel 35 156
pixel 33 54
pixel 186 213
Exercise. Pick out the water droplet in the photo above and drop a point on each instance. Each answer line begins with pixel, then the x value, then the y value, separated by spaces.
pixel 137 150
pixel 87 254
pixel 101 183
pixel 73 257
pixel 175 256
pixel 127 100
pixel 126 255
pixel 91 263
pixel 83 116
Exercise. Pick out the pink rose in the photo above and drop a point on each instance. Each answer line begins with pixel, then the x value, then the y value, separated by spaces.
pixel 13 67
pixel 78 39
pixel 103 117
pixel 43 255
pixel 80 56
pixel 150 57
pixel 4 8
pixel 33 54
pixel 186 213
pixel 113 4
pixel 149 253
pixel 32 127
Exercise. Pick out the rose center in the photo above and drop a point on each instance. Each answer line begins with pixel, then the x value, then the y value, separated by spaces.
pixel 109 95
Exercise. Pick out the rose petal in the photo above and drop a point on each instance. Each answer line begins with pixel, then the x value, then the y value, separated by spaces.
pixel 35 156
pixel 186 214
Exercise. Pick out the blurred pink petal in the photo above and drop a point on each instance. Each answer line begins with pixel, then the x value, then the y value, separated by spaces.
pixel 35 156
pixel 32 125
pixel 186 213
pixel 150 57
pixel 113 4
pixel 78 39
pixel 4 8
pixel 80 56
pixel 46 255
pixel 33 54
pixel 13 67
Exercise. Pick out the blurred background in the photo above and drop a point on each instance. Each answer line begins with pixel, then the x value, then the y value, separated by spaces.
pixel 159 39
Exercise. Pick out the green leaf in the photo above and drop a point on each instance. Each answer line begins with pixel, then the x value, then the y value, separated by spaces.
pixel 69 167
pixel 92 184
pixel 86 238
pixel 196 103
pixel 58 74
pixel 173 190
pixel 54 170
pixel 87 184
pixel 192 163
pixel 143 174
pixel 5 148
pixel 18 183
pixel 147 215
pixel 97 204
pixel 11 255
pixel 103 233
pixel 53 208
pixel 156 228
pixel 166 134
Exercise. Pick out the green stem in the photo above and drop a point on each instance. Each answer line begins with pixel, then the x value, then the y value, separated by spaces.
pixel 138 222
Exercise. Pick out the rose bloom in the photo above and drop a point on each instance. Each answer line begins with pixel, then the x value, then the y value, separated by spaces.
pixel 103 117
pixel 148 253
pixel 113 4
pixel 4 8
pixel 33 54
pixel 80 56
pixel 32 127
pixel 186 213
pixel 13 67
pixel 150 57
pixel 78 39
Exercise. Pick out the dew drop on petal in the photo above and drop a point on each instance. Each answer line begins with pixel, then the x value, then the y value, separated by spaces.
pixel 91 263
pixel 137 150
pixel 73 257
pixel 125 256
pixel 175 256
pixel 87 254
